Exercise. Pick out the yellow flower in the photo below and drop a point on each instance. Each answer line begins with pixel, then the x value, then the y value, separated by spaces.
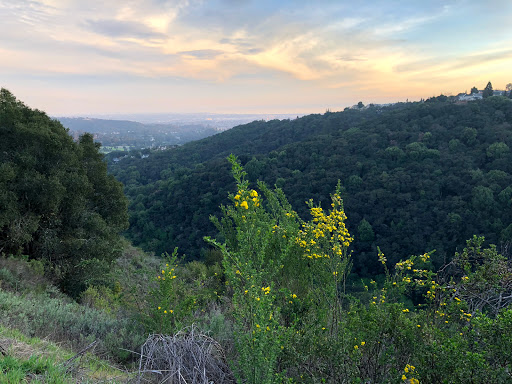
pixel 356 347
pixel 419 326
pixel 254 193
pixel 244 205
pixel 237 197
pixel 159 308
pixel 405 310
pixel 363 343
pixel 165 311
pixel 404 377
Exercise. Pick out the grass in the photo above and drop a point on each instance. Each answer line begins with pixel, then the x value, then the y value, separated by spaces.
pixel 32 305
pixel 35 360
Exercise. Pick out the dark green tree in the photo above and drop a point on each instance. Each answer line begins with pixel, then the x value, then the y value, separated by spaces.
pixel 488 91
pixel 365 231
pixel 474 90
pixel 57 201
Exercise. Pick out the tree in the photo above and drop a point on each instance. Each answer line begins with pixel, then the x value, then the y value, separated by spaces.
pixel 474 90
pixel 365 231
pixel 508 87
pixel 488 91
pixel 57 201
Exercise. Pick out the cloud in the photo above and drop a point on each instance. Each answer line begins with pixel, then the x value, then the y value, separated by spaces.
pixel 202 54
pixel 255 46
pixel 454 63
pixel 118 28
pixel 351 58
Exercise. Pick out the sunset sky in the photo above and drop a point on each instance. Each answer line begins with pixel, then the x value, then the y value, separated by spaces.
pixel 76 57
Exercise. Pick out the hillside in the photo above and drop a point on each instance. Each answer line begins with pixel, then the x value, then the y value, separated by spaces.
pixel 415 177
pixel 57 202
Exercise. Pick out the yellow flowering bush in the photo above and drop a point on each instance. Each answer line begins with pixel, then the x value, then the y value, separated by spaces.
pixel 324 240
pixel 171 303
pixel 269 263
pixel 255 253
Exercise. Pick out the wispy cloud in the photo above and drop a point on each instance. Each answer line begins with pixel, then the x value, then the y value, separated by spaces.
pixel 374 49
pixel 118 28
pixel 202 54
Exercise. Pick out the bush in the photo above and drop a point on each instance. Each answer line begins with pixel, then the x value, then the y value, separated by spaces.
pixel 70 323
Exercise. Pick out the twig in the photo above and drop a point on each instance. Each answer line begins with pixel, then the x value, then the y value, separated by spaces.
pixel 69 361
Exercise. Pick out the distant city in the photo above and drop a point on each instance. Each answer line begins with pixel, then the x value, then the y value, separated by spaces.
pixel 125 132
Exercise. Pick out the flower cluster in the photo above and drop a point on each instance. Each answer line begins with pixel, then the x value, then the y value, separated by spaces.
pixel 166 273
pixel 410 370
pixel 325 228
pixel 244 198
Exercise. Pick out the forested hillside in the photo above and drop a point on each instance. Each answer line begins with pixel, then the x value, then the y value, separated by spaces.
pixel 415 177
pixel 58 204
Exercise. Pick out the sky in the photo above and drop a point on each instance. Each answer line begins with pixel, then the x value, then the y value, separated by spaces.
pixel 76 57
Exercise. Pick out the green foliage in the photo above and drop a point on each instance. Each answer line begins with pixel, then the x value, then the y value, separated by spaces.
pixel 58 203
pixel 171 304
pixel 164 294
pixel 365 231
pixel 409 169
pixel 281 271
pixel 102 298
pixel 453 329
pixel 257 248
pixel 44 370
pixel 19 274
pixel 69 322
pixel 497 150
pixel 488 91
